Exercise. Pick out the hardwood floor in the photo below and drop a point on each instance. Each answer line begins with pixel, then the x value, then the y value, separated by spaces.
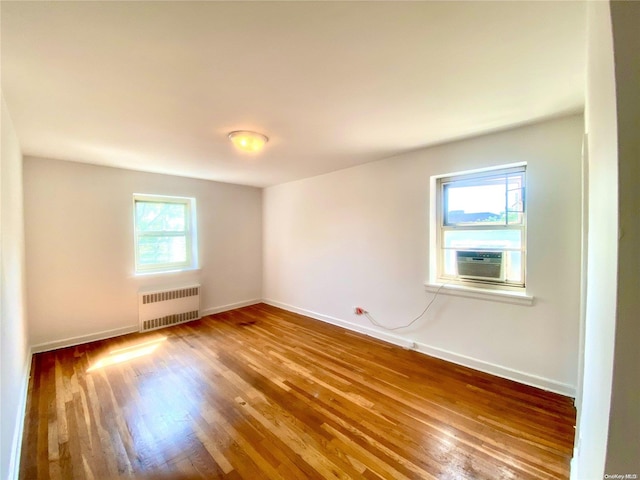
pixel 263 393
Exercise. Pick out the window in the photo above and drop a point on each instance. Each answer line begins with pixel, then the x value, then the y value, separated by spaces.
pixel 165 233
pixel 482 228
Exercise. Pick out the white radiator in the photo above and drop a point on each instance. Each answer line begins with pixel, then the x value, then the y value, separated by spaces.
pixel 162 308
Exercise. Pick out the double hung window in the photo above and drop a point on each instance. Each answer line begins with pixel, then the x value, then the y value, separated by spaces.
pixel 482 227
pixel 165 234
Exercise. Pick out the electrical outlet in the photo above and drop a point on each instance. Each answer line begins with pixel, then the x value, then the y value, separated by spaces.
pixel 359 310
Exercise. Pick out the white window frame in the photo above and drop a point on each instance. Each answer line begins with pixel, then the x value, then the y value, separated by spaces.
pixel 443 278
pixel 190 234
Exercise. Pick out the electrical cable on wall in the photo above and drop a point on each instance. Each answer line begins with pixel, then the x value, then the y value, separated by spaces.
pixel 374 322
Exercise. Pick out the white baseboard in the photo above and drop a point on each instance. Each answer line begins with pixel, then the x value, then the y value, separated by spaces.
pixel 573 470
pixel 476 364
pixel 230 306
pixel 92 337
pixel 498 370
pixel 387 337
pixel 116 332
pixel 18 430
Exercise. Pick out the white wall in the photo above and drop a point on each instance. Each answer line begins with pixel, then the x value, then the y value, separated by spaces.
pixel 14 350
pixel 624 419
pixel 600 124
pixel 360 237
pixel 80 255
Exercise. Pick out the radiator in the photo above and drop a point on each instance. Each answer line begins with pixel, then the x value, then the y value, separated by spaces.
pixel 163 308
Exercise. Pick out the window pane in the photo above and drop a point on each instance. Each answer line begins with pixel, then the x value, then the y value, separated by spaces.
pixel 485 201
pixel 515 199
pixel 449 262
pixel 160 217
pixel 479 202
pixel 484 211
pixel 513 266
pixel 483 239
pixel 161 250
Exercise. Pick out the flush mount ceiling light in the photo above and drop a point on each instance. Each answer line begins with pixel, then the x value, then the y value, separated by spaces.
pixel 248 141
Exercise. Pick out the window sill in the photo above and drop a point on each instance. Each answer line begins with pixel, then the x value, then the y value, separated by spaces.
pixel 504 296
pixel 165 272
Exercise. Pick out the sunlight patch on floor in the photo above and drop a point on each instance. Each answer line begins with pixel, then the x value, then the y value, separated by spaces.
pixel 125 354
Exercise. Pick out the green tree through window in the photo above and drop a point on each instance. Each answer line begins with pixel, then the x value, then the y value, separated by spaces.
pixel 164 233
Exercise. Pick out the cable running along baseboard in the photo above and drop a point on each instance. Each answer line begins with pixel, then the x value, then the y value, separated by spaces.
pixel 426 309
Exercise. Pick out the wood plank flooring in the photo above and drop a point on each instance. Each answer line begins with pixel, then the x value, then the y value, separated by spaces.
pixel 261 393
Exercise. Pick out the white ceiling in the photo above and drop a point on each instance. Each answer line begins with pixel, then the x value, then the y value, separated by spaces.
pixel 156 86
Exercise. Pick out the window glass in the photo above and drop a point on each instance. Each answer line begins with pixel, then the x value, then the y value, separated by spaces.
pixel 159 217
pixel 491 200
pixel 483 212
pixel 482 239
pixel 165 238
pixel 161 250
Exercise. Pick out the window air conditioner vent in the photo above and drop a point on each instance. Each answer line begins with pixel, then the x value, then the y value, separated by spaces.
pixel 478 265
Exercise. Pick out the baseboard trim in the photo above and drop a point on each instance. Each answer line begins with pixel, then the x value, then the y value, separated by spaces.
pixel 18 431
pixel 230 306
pixel 474 363
pixel 116 332
pixel 573 473
pixel 92 337
pixel 498 370
pixel 481 365
pixel 387 337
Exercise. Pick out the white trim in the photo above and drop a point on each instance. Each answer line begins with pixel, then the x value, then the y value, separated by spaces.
pixel 166 272
pixel 152 197
pixel 481 365
pixel 72 341
pixel 18 431
pixel 166 288
pixel 116 332
pixel 481 170
pixel 230 306
pixel 584 268
pixel 504 296
pixel 387 337
pixel 436 245
pixel 190 234
pixel 498 370
pixel 573 465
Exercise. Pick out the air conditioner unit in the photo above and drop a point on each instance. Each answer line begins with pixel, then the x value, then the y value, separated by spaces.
pixel 478 265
